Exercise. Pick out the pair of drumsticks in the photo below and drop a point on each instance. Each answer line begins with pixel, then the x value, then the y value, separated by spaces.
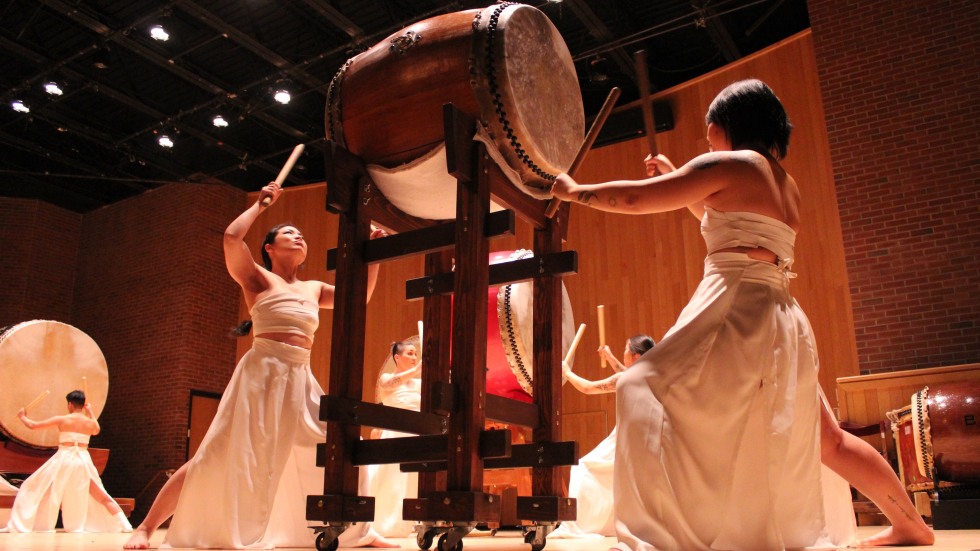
pixel 44 395
pixel 601 313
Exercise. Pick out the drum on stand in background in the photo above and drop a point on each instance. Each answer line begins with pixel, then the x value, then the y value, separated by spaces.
pixel 938 444
pixel 506 66
pixel 38 356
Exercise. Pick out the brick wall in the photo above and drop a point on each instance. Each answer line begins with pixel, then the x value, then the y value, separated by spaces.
pixel 40 243
pixel 152 290
pixel 901 91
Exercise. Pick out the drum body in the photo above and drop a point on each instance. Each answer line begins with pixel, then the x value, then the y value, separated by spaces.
pixel 945 417
pixel 38 356
pixel 506 66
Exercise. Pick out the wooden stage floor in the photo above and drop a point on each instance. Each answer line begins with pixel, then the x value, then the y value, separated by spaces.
pixel 946 540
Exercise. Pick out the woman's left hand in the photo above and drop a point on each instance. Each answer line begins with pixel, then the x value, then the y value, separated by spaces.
pixel 377 232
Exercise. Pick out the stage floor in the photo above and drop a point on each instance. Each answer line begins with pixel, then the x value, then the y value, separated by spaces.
pixel 946 540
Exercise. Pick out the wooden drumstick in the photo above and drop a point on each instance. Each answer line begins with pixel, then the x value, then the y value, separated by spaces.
pixel 590 137
pixel 297 151
pixel 601 312
pixel 85 388
pixel 37 400
pixel 420 337
pixel 643 81
pixel 578 337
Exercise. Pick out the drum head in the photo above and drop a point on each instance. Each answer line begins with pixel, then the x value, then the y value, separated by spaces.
pixel 515 316
pixel 528 91
pixel 38 356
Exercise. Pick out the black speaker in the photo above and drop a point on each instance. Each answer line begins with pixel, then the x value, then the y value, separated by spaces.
pixel 628 124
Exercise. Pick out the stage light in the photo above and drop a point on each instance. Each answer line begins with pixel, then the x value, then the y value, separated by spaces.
pixel 219 121
pixel 19 106
pixel 157 32
pixel 100 60
pixel 165 141
pixel 53 89
pixel 282 96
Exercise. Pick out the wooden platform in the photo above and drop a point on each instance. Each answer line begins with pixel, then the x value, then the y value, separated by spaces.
pixel 947 540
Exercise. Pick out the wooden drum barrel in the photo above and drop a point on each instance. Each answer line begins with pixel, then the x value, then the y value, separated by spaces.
pixel 946 432
pixel 506 65
pixel 39 356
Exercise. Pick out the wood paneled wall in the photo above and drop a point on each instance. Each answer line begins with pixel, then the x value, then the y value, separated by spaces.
pixel 642 268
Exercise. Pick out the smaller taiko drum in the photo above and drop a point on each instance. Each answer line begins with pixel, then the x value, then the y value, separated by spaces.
pixel 945 430
pixel 42 356
pixel 510 333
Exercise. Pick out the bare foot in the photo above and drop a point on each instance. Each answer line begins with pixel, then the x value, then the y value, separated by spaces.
pixel 381 541
pixel 916 535
pixel 139 540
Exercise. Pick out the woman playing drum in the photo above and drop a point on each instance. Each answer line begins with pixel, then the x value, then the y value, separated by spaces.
pixel 257 460
pixel 591 481
pixel 720 436
pixel 68 480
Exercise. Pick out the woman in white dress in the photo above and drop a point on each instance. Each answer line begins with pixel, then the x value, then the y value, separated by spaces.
pixel 591 480
pixel 68 480
pixel 246 485
pixel 389 486
pixel 719 427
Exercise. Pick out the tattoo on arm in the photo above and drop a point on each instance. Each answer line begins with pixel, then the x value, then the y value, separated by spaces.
pixel 606 386
pixel 586 196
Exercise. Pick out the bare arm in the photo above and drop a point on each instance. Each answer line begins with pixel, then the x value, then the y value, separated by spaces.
pixel 586 386
pixel 96 428
pixel 391 381
pixel 34 425
pixel 328 291
pixel 238 259
pixel 687 186
pixel 617 365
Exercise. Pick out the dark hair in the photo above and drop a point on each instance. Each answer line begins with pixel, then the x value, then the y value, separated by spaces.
pixel 241 330
pixel 76 398
pixel 640 344
pixel 752 117
pixel 270 238
pixel 398 347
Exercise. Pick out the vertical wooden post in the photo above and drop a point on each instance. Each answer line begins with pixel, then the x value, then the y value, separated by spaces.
pixel 437 319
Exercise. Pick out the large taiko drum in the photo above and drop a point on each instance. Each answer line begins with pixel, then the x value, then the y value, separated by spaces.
pixel 506 65
pixel 940 427
pixel 38 356
pixel 510 333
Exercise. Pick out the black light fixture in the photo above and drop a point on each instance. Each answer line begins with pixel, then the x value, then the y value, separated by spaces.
pixel 100 59
pixel 597 70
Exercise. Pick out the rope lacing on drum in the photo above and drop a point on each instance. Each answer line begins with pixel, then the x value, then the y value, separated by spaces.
pixel 495 94
pixel 512 337
pixel 925 442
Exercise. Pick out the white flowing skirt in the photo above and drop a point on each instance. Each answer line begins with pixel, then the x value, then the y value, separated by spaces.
pixel 719 444
pixel 61 482
pixel 591 484
pixel 247 484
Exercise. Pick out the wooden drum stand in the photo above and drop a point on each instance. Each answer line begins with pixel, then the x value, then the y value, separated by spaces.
pixel 452 449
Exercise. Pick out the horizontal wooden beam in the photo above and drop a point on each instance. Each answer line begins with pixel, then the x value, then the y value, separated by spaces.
pixel 557 264
pixel 355 412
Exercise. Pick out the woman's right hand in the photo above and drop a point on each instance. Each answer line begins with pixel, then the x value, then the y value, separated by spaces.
pixel 658 164
pixel 271 190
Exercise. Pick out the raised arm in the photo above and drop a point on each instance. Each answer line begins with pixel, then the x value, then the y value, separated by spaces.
pixel 585 386
pixel 391 381
pixel 687 186
pixel 34 425
pixel 96 428
pixel 617 365
pixel 238 259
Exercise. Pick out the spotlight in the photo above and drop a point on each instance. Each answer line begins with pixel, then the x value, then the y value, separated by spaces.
pixel 157 32
pixel 282 96
pixel 597 71
pixel 219 121
pixel 165 141
pixel 53 89
pixel 19 106
pixel 100 60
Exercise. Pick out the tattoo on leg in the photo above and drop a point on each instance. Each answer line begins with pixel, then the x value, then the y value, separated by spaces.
pixel 586 196
pixel 899 505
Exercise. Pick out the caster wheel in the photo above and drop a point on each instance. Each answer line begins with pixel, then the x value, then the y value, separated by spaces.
pixel 444 546
pixel 528 536
pixel 538 546
pixel 322 545
pixel 424 539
